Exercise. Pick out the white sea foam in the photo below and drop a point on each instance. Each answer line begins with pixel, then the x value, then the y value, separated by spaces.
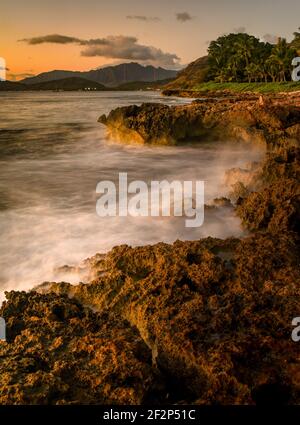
pixel 52 154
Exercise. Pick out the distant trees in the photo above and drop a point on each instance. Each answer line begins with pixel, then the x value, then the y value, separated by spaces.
pixel 280 60
pixel 296 42
pixel 242 57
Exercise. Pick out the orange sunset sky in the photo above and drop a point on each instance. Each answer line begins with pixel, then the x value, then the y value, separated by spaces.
pixel 169 33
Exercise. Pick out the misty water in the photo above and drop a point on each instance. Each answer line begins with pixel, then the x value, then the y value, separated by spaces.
pixel 52 155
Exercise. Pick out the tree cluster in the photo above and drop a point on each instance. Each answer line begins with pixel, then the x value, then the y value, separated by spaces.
pixel 244 58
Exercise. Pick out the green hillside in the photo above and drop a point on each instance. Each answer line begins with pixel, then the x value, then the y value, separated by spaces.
pixel 193 74
pixel 249 87
pixel 242 62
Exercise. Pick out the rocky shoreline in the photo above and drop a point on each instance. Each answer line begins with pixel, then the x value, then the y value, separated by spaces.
pixel 292 97
pixel 203 322
pixel 268 121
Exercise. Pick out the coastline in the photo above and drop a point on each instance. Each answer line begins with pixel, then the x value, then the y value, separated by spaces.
pixel 182 322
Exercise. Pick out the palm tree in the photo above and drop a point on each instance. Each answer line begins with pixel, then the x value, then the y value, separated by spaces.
pixel 273 68
pixel 253 71
pixel 243 57
pixel 296 42
pixel 281 58
pixel 245 47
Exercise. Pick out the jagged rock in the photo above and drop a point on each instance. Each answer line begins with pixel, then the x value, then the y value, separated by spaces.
pixel 59 352
pixel 245 120
pixel 215 316
pixel 205 322
pixel 275 206
pixel 222 202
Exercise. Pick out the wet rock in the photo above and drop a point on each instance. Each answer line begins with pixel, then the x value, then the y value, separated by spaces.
pixel 222 202
pixel 275 204
pixel 214 314
pixel 245 120
pixel 205 321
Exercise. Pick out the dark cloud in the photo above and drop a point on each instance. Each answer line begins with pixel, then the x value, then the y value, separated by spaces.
pixel 115 47
pixel 143 18
pixel 52 38
pixel 128 48
pixel 271 38
pixel 183 16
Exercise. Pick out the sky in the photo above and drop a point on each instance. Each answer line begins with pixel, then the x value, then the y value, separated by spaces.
pixel 42 35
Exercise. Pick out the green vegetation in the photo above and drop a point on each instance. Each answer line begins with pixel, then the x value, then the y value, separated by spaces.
pixel 296 42
pixel 242 57
pixel 193 74
pixel 249 87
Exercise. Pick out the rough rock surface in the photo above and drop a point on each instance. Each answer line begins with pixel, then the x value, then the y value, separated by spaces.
pixel 275 205
pixel 236 118
pixel 205 322
pixel 59 352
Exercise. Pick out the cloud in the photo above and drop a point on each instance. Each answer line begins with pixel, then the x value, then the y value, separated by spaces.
pixel 127 48
pixel 114 47
pixel 143 18
pixel 183 16
pixel 15 77
pixel 271 38
pixel 52 38
pixel 239 30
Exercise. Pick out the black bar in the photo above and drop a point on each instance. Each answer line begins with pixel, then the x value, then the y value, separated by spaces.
pixel 97 415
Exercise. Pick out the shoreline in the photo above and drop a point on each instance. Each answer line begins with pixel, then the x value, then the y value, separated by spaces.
pixel 289 97
pixel 205 321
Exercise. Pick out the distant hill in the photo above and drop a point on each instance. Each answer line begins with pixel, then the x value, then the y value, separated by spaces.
pixel 12 86
pixel 143 85
pixel 67 84
pixel 110 76
pixel 78 83
pixel 194 73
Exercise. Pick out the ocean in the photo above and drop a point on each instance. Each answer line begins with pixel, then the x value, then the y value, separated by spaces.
pixel 53 152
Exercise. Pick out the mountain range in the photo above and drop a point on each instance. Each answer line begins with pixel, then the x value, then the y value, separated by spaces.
pixel 110 76
pixel 80 84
